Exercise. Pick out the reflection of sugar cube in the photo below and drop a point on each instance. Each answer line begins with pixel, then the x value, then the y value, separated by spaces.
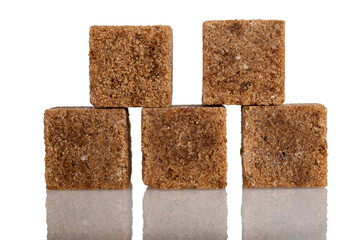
pixel 96 214
pixel 284 214
pixel 185 214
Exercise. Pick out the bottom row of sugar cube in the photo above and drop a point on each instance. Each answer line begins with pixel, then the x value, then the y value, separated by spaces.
pixel 184 147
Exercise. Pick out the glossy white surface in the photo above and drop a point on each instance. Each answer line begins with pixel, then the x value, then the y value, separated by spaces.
pixel 284 214
pixel 44 63
pixel 89 214
pixel 187 214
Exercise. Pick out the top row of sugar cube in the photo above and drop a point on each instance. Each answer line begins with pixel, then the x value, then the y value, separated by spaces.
pixel 243 64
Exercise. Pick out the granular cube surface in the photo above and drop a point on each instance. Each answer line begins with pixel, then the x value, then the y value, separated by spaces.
pixel 184 147
pixel 284 146
pixel 87 148
pixel 130 66
pixel 243 62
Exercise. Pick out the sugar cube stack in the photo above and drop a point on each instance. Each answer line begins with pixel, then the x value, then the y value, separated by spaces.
pixel 184 147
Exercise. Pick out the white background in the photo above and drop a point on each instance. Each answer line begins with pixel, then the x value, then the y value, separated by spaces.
pixel 44 63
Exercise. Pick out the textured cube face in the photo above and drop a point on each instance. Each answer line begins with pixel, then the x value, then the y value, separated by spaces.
pixel 130 66
pixel 284 146
pixel 87 148
pixel 184 147
pixel 243 62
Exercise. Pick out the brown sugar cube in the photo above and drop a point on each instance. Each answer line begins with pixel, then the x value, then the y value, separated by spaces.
pixel 82 214
pixel 87 148
pixel 185 214
pixel 130 66
pixel 243 62
pixel 284 146
pixel 184 147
